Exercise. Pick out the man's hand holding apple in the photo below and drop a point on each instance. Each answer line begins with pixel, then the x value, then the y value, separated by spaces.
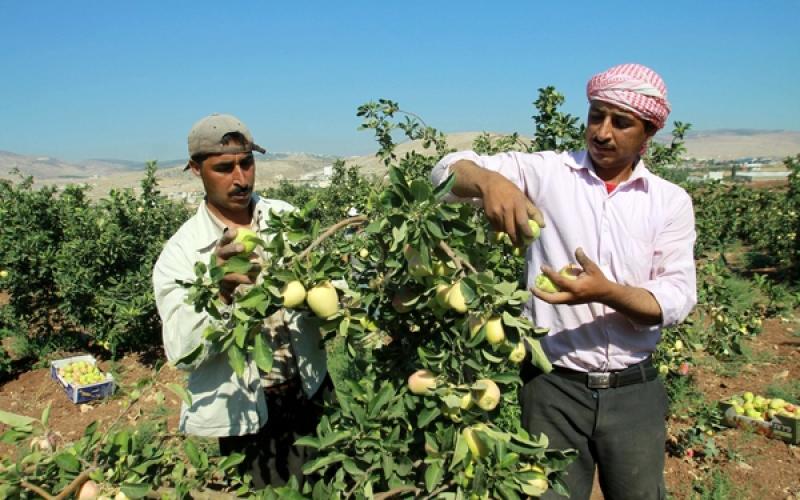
pixel 507 207
pixel 576 284
pixel 590 285
pixel 227 248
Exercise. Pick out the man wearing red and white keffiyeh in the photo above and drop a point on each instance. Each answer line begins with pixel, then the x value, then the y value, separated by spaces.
pixel 632 236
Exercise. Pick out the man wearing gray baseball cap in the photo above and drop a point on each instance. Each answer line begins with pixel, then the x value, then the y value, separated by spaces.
pixel 258 414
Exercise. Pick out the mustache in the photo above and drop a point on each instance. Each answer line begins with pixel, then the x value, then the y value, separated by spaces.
pixel 237 190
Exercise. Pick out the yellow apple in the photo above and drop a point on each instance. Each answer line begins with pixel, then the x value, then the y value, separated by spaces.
pixel 494 331
pixel 422 382
pixel 89 491
pixel 535 229
pixel 441 295
pixel 475 323
pixel 488 398
pixel 455 298
pixel 293 294
pixel 545 284
pixel 323 300
pixel 466 401
pixel 517 355
pixel 248 238
pixel 363 253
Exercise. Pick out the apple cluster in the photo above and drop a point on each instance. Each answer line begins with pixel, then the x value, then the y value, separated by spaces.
pixel 322 299
pixel 81 373
pixel 758 407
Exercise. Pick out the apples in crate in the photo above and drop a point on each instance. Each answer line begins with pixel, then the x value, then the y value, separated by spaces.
pixel 81 373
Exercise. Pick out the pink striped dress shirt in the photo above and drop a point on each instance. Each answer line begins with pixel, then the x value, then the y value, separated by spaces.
pixel 641 234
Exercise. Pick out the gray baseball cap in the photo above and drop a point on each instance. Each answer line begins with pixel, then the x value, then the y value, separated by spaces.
pixel 206 136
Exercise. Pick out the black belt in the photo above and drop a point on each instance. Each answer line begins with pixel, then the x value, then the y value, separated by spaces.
pixel 636 374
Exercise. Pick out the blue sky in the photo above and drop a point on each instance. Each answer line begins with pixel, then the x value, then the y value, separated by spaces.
pixel 126 80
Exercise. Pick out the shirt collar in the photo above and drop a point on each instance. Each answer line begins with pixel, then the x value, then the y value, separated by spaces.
pixel 213 227
pixel 580 160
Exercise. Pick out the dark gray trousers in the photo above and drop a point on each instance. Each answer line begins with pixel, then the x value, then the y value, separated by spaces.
pixel 621 431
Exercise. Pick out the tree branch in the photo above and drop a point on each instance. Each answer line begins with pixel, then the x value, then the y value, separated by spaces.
pixel 458 261
pixel 360 219
pixel 39 491
pixel 397 491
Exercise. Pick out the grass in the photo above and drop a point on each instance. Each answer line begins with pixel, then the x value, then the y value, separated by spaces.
pixel 788 391
pixel 718 485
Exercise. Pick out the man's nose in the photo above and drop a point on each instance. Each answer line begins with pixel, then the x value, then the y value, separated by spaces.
pixel 603 131
pixel 238 174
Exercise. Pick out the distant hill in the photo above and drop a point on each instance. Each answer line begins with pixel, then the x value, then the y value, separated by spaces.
pixel 733 144
pixel 104 174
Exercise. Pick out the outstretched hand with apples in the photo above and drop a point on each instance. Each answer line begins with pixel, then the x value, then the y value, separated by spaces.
pixel 572 284
pixel 590 285
pixel 236 242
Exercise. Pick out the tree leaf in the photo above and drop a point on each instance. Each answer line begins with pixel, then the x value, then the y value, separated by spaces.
pixel 16 421
pixel 444 188
pixel 262 352
pixel 135 490
pixel 460 452
pixel 182 393
pixel 426 416
pixel 433 475
pixel 192 453
pixel 46 415
pixel 236 359
pixel 421 190
pixel 324 461
pixel 230 461
pixel 67 463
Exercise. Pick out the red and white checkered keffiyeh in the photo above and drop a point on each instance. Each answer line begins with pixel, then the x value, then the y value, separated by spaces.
pixel 634 87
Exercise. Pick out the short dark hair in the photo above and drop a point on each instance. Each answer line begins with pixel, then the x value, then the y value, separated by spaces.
pixel 236 137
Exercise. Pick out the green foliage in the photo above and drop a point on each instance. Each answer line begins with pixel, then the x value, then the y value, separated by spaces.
pixel 81 272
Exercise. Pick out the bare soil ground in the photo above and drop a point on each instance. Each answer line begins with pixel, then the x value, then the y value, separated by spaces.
pixel 759 467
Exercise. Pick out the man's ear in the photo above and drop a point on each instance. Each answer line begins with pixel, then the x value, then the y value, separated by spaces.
pixel 195 166
pixel 650 130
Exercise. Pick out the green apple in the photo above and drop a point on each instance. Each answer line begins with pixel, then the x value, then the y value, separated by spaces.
pixel 466 401
pixel 494 331
pixel 535 230
pixel 293 294
pixel 3 274
pixel 414 260
pixel 248 238
pixel 441 295
pixel 475 323
pixel 545 284
pixel 323 300
pixel 455 298
pixel 422 382
pixel 363 253
pixel 517 355
pixel 777 404
pixel 488 398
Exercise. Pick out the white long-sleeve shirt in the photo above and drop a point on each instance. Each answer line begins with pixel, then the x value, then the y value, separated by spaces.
pixel 223 404
pixel 641 234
